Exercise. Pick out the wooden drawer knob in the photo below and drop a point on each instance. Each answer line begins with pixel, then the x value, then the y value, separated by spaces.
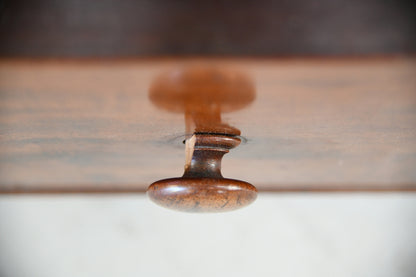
pixel 202 187
pixel 202 93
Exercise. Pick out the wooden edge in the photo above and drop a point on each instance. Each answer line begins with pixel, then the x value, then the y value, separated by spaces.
pixel 211 58
pixel 120 189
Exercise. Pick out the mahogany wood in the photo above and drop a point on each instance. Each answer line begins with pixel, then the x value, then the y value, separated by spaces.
pixel 202 188
pixel 315 125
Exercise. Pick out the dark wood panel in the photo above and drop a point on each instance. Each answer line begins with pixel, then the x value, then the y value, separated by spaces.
pixel 315 125
pixel 79 28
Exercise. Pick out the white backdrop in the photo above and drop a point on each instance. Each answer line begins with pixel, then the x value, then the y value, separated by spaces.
pixel 280 235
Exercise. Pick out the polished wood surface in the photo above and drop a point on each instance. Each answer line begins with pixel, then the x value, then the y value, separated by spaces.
pixel 315 125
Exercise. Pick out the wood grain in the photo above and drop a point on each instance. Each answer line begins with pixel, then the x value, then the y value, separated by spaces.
pixel 315 125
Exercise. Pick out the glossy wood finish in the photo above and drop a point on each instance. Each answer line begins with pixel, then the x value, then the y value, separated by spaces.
pixel 202 187
pixel 203 93
pixel 315 125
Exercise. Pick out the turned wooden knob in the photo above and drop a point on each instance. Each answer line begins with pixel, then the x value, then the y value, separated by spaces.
pixel 202 93
pixel 202 187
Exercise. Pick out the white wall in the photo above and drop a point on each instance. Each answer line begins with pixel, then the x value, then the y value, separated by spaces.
pixel 280 235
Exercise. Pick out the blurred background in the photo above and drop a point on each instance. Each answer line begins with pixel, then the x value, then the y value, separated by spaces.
pixel 281 234
pixel 108 28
